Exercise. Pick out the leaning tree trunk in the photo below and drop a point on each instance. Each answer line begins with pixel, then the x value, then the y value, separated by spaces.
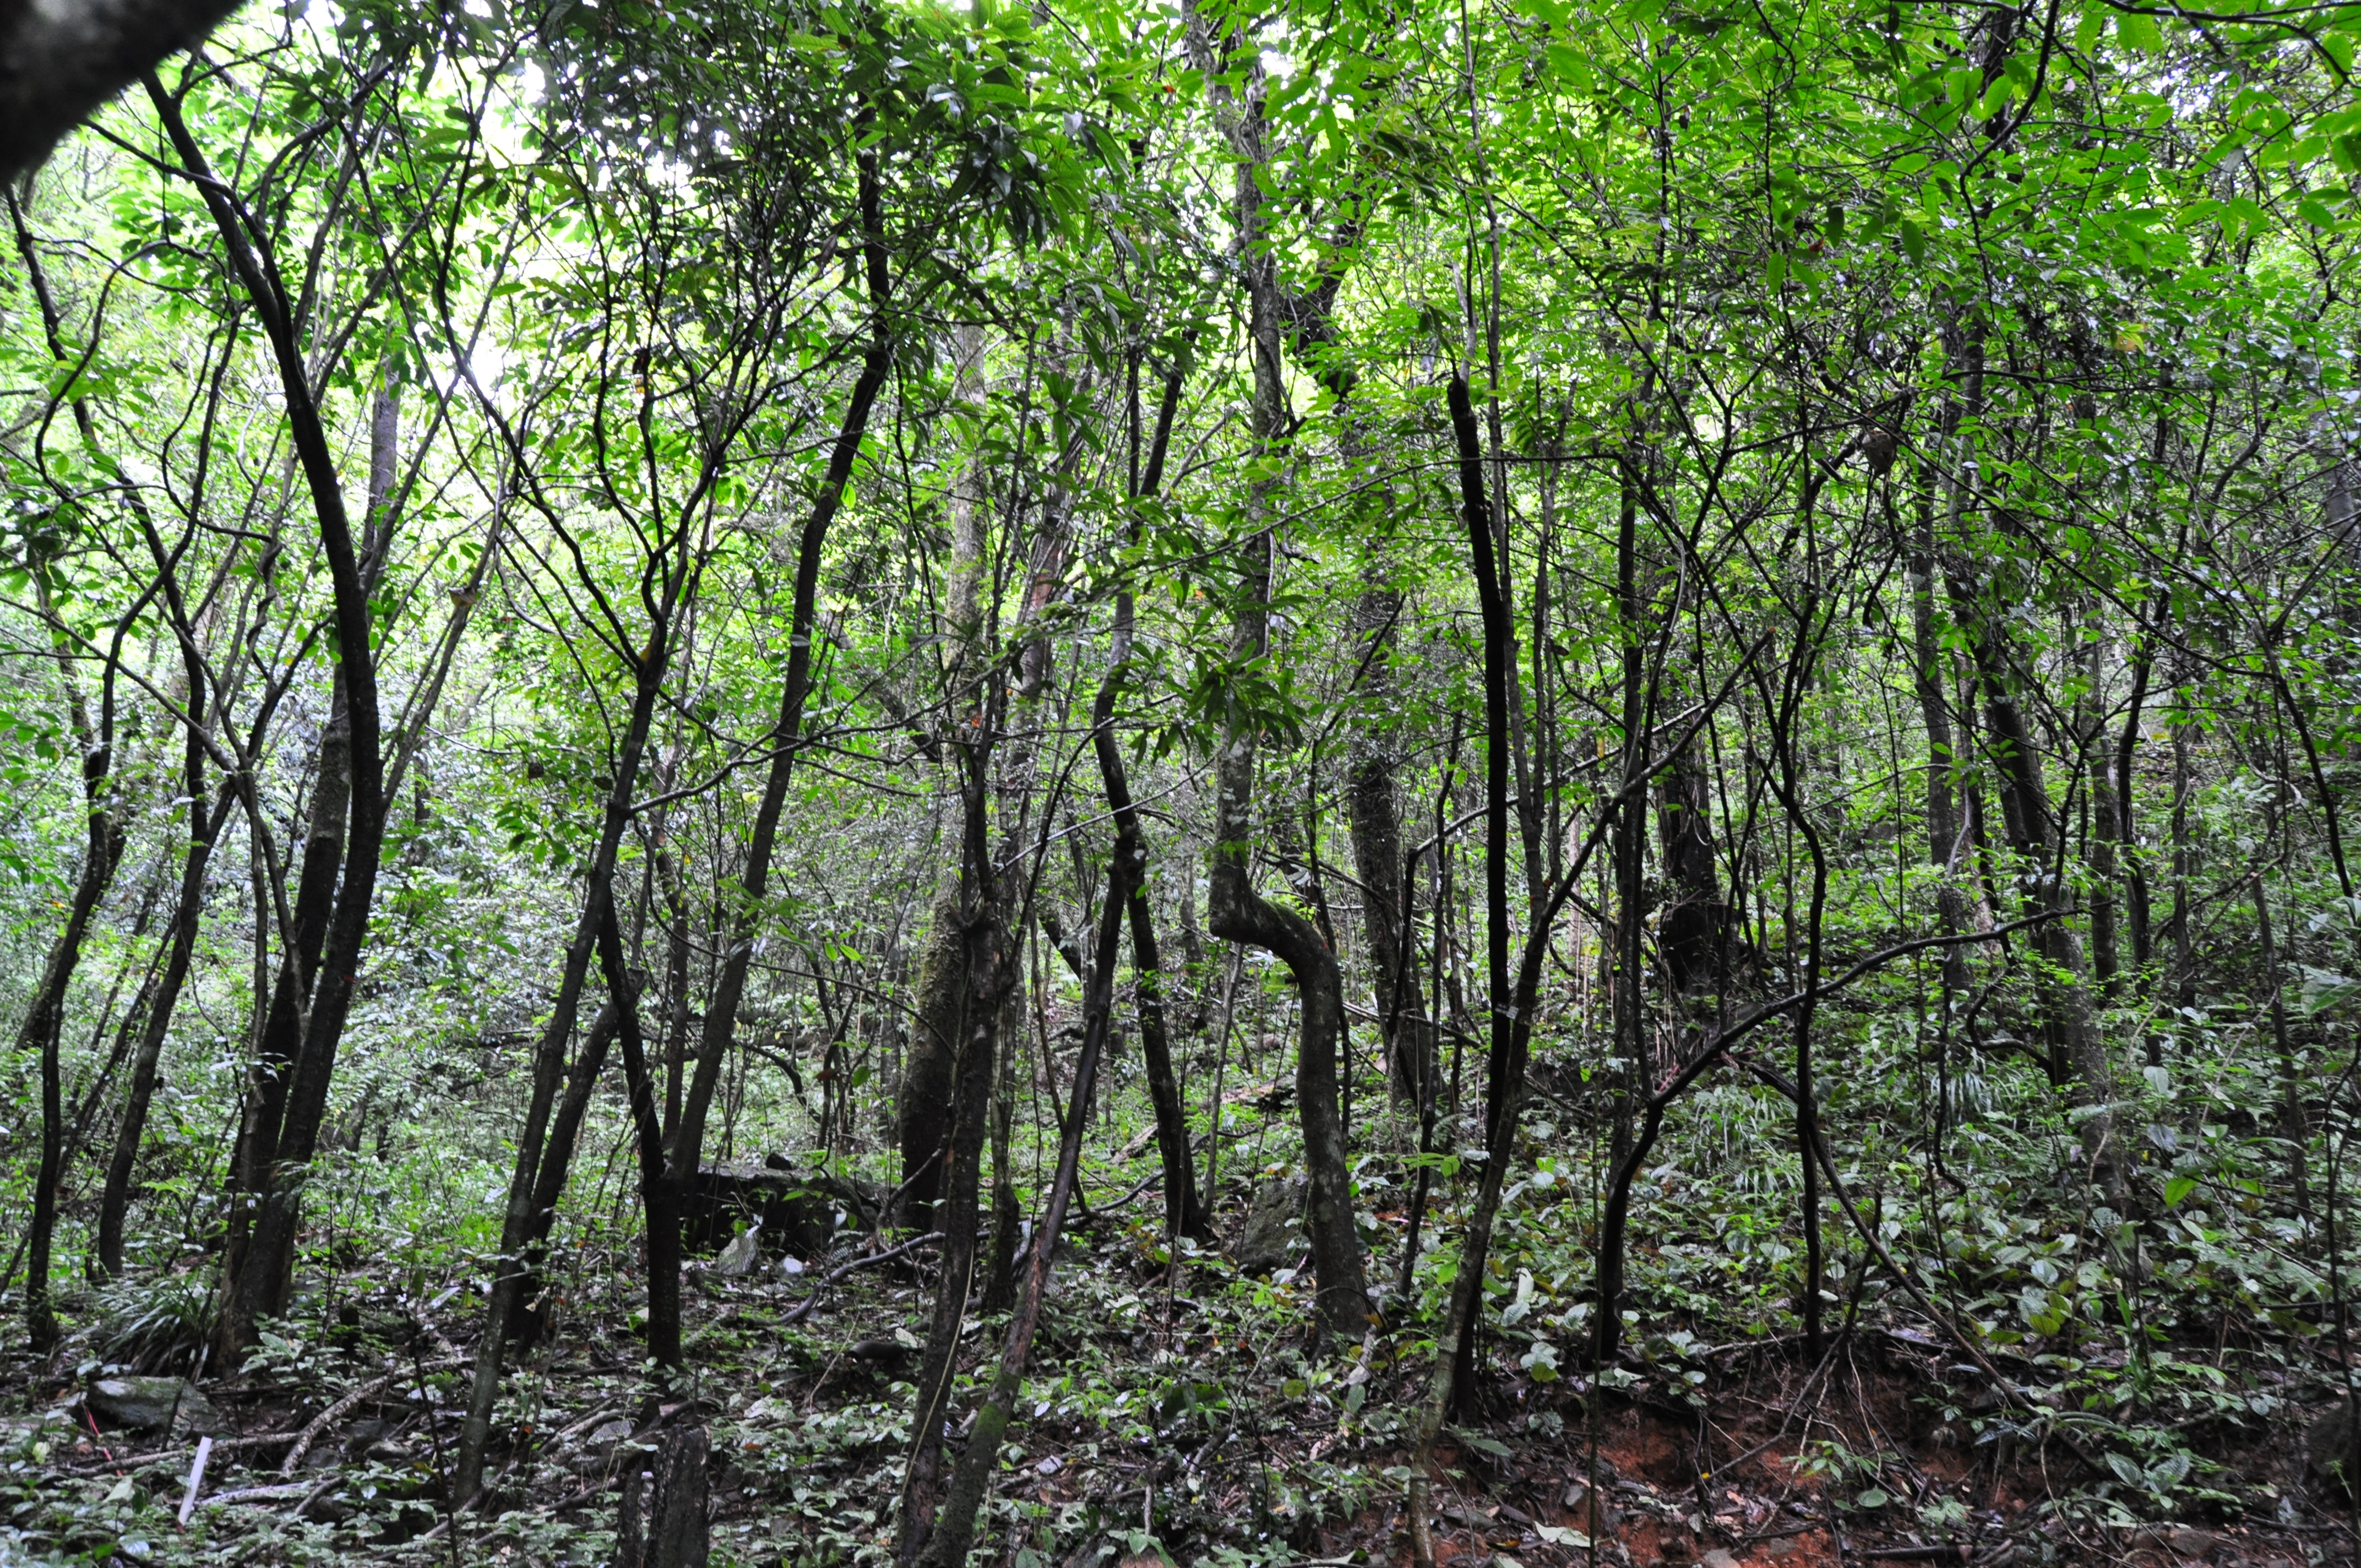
pixel 513 1268
pixel 549 1182
pixel 260 1287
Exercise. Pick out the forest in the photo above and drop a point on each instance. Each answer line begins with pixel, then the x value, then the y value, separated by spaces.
pixel 921 782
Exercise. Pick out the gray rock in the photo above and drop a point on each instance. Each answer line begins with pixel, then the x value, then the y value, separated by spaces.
pixel 1274 1227
pixel 2331 1450
pixel 147 1404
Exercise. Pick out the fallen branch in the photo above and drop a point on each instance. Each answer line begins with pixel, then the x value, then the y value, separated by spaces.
pixel 864 1261
pixel 196 1480
pixel 261 1494
pixel 321 1422
pixel 125 1462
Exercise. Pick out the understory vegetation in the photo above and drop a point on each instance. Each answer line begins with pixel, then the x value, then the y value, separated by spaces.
pixel 885 783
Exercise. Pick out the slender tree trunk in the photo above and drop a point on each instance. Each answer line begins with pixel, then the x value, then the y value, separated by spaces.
pixel 282 1032
pixel 1001 1270
pixel 514 1265
pixel 206 822
pixel 549 1181
pixel 1502 1082
pixel 261 1285
pixel 1628 847
pixel 2106 827
pixel 991 975
pixel 44 1026
pixel 743 902
pixel 1943 835
pixel 2184 862
pixel 656 1192
pixel 2079 1056
pixel 1374 815
pixel 1184 1214
pixel 2292 1122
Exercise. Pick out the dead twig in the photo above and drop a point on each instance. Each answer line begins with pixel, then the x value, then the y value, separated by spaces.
pixel 803 1307
pixel 327 1417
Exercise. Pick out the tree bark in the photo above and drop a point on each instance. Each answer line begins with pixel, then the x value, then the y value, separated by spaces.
pixel 954 1530
pixel 1184 1214
pixel 549 1182
pixel 61 62
pixel 205 821
pixel 1235 911
pixel 744 902
pixel 41 1035
pixel 989 977
pixel 261 1284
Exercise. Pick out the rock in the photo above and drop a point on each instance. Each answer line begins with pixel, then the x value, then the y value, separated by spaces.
pixel 1274 1226
pixel 147 1404
pixel 2331 1450
pixel 881 1355
pixel 1718 1558
pixel 740 1255
pixel 2187 1542
pixel 1784 1546
pixel 799 1212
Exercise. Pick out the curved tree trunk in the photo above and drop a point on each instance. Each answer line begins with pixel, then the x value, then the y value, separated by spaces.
pixel 260 1286
pixel 1235 911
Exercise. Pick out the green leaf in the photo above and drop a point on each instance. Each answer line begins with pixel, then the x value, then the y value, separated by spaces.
pixel 1913 241
pixel 2177 1189
pixel 2138 33
pixel 2324 989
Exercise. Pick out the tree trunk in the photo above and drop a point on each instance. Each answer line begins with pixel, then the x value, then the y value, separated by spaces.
pixel 2292 1122
pixel 923 1111
pixel 1628 846
pixel 260 1287
pixel 549 1182
pixel 282 1033
pixel 1690 934
pixel 1235 911
pixel 205 821
pixel 990 974
pixel 44 1025
pixel 948 1541
pixel 1943 835
pixel 657 1193
pixel 1373 814
pixel 1184 1214
pixel 687 1145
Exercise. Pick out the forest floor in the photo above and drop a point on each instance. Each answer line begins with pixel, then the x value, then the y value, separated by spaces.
pixel 1181 1412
